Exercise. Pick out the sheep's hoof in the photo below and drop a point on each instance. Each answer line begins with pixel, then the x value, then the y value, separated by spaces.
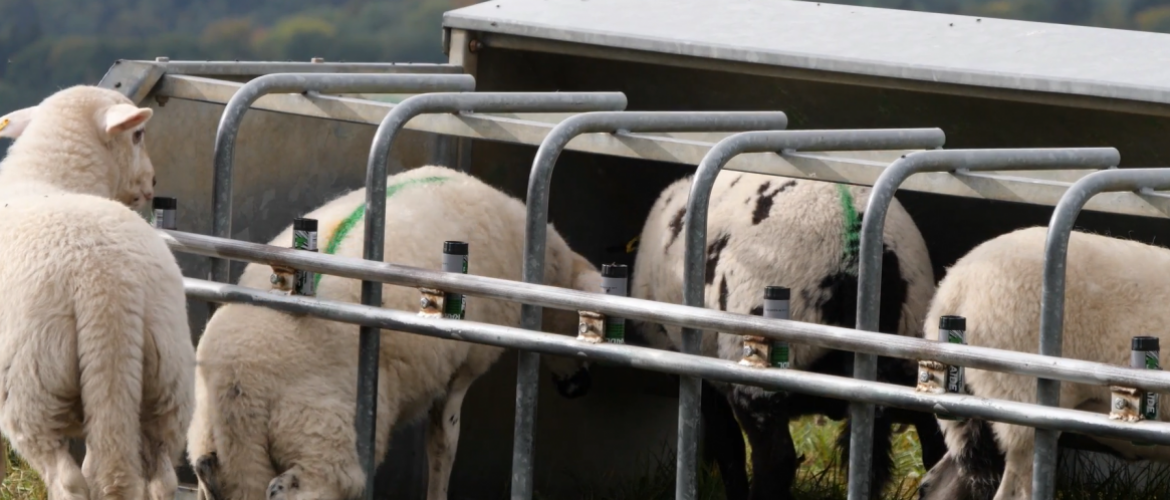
pixel 284 487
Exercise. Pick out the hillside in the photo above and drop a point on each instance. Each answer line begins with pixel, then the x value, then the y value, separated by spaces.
pixel 50 44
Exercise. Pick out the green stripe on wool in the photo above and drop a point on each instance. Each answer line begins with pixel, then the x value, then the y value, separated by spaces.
pixel 851 227
pixel 351 221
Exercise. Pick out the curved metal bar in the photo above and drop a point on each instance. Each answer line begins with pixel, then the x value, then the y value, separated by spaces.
pixel 1060 228
pixel 869 276
pixel 375 214
pixel 536 230
pixel 233 115
pixel 695 222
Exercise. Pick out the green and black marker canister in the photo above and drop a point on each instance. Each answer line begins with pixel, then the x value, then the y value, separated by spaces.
pixel 304 238
pixel 614 278
pixel 953 330
pixel 163 212
pixel 1143 354
pixel 454 261
pixel 777 303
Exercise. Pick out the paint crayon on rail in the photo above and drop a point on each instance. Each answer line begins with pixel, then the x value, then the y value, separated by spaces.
pixel 454 261
pixel 1143 354
pixel 614 279
pixel 953 330
pixel 162 214
pixel 304 238
pixel 777 305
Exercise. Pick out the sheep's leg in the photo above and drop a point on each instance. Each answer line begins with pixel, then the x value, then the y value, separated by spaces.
pixel 773 452
pixel 1017 473
pixel 724 440
pixel 443 436
pixel 37 435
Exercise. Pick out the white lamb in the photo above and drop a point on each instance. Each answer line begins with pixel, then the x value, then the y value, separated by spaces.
pixel 803 235
pixel 1115 289
pixel 94 340
pixel 276 391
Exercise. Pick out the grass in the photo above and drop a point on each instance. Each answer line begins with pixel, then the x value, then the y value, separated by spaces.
pixel 21 482
pixel 820 476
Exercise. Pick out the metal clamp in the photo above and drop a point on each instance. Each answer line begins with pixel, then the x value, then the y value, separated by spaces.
pixel 1126 403
pixel 756 352
pixel 932 377
pixel 591 327
pixel 431 303
pixel 282 279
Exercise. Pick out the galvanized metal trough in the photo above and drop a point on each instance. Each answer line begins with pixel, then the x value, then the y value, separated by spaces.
pixel 1027 110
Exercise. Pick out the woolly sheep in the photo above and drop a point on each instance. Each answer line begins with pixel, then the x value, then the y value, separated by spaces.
pixel 276 392
pixel 94 340
pixel 763 231
pixel 1115 289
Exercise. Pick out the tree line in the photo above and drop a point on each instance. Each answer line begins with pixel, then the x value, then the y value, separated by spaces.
pixel 46 45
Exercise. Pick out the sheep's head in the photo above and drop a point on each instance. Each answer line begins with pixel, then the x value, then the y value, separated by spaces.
pixel 91 140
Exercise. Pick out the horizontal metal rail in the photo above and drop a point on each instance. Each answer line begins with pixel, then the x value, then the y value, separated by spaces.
pixel 832 337
pixel 857 168
pixel 645 358
pixel 257 68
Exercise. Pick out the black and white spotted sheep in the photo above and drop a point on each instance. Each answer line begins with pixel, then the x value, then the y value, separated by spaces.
pixel 803 235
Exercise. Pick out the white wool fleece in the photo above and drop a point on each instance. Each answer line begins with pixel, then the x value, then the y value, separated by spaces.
pixel 1115 290
pixel 276 392
pixel 94 340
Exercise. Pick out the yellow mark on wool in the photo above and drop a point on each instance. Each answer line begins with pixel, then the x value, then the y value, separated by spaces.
pixel 3 124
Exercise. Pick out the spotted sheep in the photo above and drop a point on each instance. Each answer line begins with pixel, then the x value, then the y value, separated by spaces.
pixel 94 341
pixel 1115 289
pixel 275 391
pixel 803 235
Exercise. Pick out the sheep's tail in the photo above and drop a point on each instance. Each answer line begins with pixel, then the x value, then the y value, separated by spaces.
pixel 237 422
pixel 110 336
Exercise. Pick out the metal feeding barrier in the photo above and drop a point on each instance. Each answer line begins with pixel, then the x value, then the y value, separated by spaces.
pixel 602 119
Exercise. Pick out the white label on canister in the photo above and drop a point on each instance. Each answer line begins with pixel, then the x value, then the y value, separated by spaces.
pixel 776 308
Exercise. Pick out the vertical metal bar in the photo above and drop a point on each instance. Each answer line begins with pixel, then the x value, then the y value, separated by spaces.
pixel 375 213
pixel 861 415
pixel 1052 297
pixel 233 116
pixel 536 230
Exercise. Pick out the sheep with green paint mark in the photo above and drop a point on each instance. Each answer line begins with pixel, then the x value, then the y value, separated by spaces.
pixel 275 391
pixel 803 235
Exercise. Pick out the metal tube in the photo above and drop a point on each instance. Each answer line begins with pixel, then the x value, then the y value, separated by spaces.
pixel 254 68
pixel 695 222
pixel 375 213
pixel 534 247
pixel 233 116
pixel 1052 297
pixel 646 358
pixel 831 337
pixel 870 254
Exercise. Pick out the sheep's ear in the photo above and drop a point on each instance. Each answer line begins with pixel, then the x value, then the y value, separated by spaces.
pixel 14 123
pixel 122 117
